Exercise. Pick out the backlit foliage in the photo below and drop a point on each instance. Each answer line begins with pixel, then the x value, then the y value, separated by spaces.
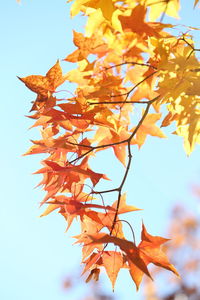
pixel 127 58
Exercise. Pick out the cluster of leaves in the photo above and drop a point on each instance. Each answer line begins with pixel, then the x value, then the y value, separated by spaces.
pixel 125 59
pixel 183 250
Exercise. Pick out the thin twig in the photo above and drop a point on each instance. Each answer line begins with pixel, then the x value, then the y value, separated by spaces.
pixel 130 63
pixel 135 86
pixel 134 241
pixel 119 102
pixel 129 161
pixel 79 157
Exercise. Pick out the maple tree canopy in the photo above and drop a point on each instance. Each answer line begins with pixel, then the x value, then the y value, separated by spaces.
pixel 127 57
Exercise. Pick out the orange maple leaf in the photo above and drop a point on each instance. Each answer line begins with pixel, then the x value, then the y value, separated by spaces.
pixel 150 248
pixel 136 22
pixel 44 86
pixel 112 261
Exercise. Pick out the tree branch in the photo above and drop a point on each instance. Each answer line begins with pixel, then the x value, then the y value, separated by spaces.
pixel 130 63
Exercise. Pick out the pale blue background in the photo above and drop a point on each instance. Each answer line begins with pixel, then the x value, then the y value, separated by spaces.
pixel 35 252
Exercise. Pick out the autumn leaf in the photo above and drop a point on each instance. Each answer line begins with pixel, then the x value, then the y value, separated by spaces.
pixel 150 248
pixel 148 127
pixel 76 6
pixel 94 274
pixel 49 209
pixel 112 135
pixel 107 7
pixel 157 8
pixel 86 46
pixel 139 25
pixel 190 134
pixel 44 86
pixel 93 259
pixel 112 261
pixel 89 226
pixel 123 207
pixel 169 119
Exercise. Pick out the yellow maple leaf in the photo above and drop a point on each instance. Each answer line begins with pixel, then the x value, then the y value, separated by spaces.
pixel 168 7
pixel 148 127
pixel 190 134
pixel 77 6
pixel 94 22
pixel 106 6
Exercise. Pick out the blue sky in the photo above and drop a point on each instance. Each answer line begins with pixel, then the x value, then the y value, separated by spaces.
pixel 36 253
